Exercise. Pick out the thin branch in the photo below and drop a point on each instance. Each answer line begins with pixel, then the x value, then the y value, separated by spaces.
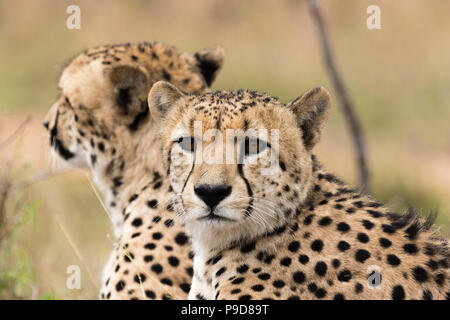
pixel 346 103
pixel 14 135
pixel 41 176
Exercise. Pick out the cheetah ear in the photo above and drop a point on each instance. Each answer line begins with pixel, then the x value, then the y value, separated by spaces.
pixel 162 97
pixel 311 110
pixel 130 87
pixel 210 61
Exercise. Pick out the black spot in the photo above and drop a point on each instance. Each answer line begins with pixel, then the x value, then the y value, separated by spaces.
pixel 278 284
pixel 420 274
pixel 440 278
pixel 293 246
pixel 220 271
pixel 308 219
pixel 393 260
pixel 387 228
pixel 139 278
pixel 312 287
pixel 410 248
pixel 362 255
pixel 264 276
pixel 367 224
pixel 345 276
pixel 325 221
pixel 350 210
pixel 320 293
pixel 136 222
pixel 173 261
pixel 336 263
pixel 427 295
pixel 317 245
pixel 242 269
pixel 235 291
pixel 157 235
pixel 286 261
pixel 299 277
pixel 181 238
pixel 374 213
pixel 303 259
pixel 362 237
pixel 412 230
pixel 216 259
pixel 157 185
pixel 148 258
pixel 339 296
pixel 150 294
pixel 245 297
pixel 398 293
pixel 247 248
pixel 320 268
pixel 186 287
pixel 120 285
pixel 358 288
pixel 385 243
pixel 258 287
pixel 168 223
pixel 343 227
pixel 128 257
pixel 343 245
pixel 157 268
pixel 238 280
pixel 152 203
pixel 433 265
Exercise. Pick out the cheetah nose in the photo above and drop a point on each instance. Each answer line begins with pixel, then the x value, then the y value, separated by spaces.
pixel 212 194
pixel 45 124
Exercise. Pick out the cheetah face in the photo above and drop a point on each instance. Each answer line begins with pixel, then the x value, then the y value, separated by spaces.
pixel 236 160
pixel 103 96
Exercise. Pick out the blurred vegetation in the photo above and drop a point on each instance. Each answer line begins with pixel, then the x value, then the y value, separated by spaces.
pixel 398 77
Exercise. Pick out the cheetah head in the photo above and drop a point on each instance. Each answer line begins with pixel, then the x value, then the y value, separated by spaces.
pixel 103 95
pixel 238 161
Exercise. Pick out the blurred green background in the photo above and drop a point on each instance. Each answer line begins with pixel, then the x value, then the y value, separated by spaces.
pixel 398 77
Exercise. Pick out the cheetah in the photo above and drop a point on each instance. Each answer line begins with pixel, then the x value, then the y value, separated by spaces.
pixel 274 224
pixel 101 122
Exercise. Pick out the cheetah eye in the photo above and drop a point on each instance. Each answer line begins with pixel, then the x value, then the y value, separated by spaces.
pixel 253 146
pixel 187 143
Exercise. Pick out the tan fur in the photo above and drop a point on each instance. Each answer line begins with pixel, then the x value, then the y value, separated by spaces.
pixel 101 122
pixel 308 236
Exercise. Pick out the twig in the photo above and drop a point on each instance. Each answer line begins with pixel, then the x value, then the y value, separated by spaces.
pixel 13 136
pixel 346 103
pixel 37 178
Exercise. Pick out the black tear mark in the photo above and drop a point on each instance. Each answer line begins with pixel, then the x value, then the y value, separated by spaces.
pixel 65 153
pixel 208 68
pixel 249 209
